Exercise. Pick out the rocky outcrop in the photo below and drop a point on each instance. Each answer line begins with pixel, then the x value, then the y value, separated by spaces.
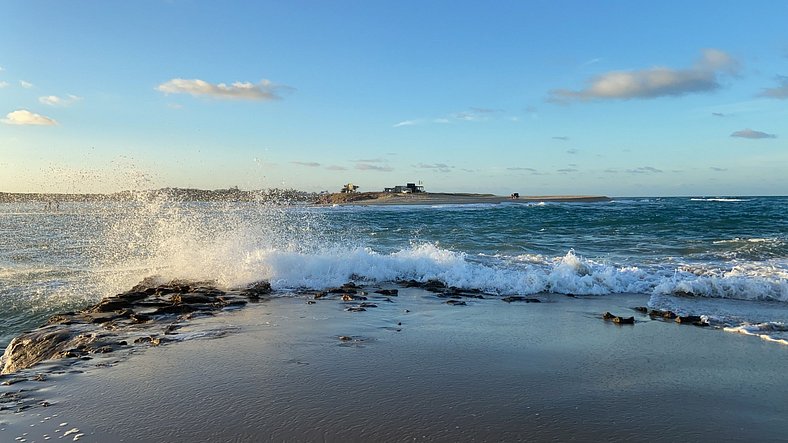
pixel 139 316
pixel 618 319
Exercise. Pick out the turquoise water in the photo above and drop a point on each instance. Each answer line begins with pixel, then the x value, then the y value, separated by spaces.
pixel 726 258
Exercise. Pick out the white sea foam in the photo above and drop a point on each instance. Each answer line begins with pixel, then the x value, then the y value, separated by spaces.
pixel 770 331
pixel 721 199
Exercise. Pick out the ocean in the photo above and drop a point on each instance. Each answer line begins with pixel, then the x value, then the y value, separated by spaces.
pixel 722 258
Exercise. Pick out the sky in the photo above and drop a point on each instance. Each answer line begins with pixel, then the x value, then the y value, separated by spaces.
pixel 618 98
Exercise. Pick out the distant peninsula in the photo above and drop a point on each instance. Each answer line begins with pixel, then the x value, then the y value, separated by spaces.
pixel 289 196
pixel 433 198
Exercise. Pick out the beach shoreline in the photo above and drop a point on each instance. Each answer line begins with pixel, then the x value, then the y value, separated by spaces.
pixel 417 368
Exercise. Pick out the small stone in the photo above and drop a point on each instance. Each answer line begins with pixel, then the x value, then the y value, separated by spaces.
pixel 355 309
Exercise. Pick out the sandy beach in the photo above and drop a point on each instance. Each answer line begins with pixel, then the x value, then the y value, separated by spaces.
pixel 417 369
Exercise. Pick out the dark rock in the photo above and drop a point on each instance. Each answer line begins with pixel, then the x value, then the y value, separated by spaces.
pixel 310 302
pixel 641 309
pixel 227 302
pixel 520 298
pixel 662 314
pixel 355 309
pixel 111 304
pixel 368 305
pixel 689 319
pixel 139 318
pixel 257 289
pixel 191 298
pixel 29 348
pixel 391 292
pixel 345 338
pixel 434 286
pixel 320 295
pixel 617 319
pixel 351 297
pixel 154 341
pixel 350 285
pixel 455 303
pixel 62 319
pixel 174 309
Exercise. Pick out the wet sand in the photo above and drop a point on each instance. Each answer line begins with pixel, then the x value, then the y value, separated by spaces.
pixel 419 369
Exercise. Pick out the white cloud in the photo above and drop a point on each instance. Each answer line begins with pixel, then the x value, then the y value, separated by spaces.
pixel 472 115
pixel 440 167
pixel 307 164
pixel 25 117
pixel 406 123
pixel 780 92
pixel 53 100
pixel 3 84
pixel 265 90
pixel 369 167
pixel 24 84
pixel 654 82
pixel 645 170
pixel 749 133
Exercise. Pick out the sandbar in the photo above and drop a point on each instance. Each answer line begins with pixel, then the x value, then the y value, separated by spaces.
pixel 433 198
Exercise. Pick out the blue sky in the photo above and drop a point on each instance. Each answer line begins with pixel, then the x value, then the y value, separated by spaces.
pixel 537 97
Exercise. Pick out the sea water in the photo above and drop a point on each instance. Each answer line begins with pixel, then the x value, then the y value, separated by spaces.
pixel 722 258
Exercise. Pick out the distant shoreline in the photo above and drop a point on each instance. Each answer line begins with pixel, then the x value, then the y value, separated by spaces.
pixel 430 198
pixel 291 196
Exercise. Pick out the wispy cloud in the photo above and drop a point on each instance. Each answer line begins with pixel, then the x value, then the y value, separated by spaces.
pixel 645 170
pixel 53 100
pixel 406 123
pixel 719 114
pixel 572 151
pixel 515 168
pixel 440 167
pixel 566 170
pixel 371 167
pixel 473 114
pixel 593 61
pixel 561 137
pixel 307 164
pixel 24 84
pixel 263 91
pixel 25 117
pixel 749 133
pixel 716 169
pixel 336 168
pixel 653 82
pixel 780 91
